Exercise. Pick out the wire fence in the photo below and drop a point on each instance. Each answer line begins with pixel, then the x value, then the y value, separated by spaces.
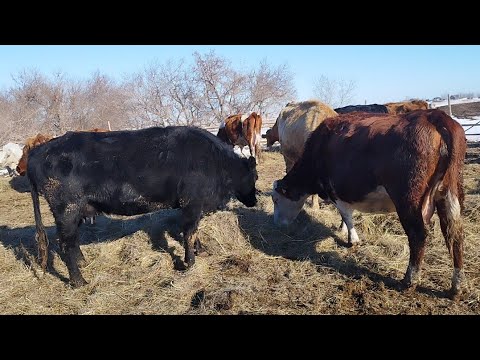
pixel 469 127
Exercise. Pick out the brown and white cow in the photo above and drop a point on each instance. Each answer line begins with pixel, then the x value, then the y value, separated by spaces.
pixel 410 163
pixel 406 106
pixel 243 130
pixel 294 125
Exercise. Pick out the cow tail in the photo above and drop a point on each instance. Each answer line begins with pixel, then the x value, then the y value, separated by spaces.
pixel 40 234
pixel 454 148
pixel 450 196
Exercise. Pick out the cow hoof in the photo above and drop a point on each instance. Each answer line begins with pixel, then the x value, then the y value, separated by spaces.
pixel 184 266
pixel 406 286
pixel 454 294
pixel 179 265
pixel 77 283
pixel 190 262
pixel 199 249
pixel 354 244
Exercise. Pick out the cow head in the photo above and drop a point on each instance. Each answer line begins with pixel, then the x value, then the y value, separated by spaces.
pixel 271 137
pixel 22 163
pixel 287 203
pixel 29 145
pixel 245 185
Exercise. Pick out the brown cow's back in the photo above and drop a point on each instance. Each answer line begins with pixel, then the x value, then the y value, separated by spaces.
pixel 406 106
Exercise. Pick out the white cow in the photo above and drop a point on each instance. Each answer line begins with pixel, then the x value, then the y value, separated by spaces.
pixel 10 154
pixel 295 123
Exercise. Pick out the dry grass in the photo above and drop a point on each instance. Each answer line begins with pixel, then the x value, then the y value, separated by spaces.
pixel 250 267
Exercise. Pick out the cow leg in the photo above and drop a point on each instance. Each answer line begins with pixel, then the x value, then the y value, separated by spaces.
pixel 251 147
pixel 343 228
pixel 412 223
pixel 42 244
pixel 258 149
pixel 191 217
pixel 414 217
pixel 346 211
pixel 40 234
pixel 198 247
pixel 80 258
pixel 448 209
pixel 69 244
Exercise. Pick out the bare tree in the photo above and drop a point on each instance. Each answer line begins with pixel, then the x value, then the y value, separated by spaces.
pixel 148 103
pixel 28 101
pixel 185 97
pixel 333 92
pixel 105 101
pixel 228 91
pixel 202 92
pixel 270 88
pixel 222 87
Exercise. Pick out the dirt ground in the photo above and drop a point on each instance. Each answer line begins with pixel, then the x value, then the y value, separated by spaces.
pixel 250 266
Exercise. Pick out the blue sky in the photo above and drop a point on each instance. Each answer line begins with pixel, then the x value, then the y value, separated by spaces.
pixel 382 73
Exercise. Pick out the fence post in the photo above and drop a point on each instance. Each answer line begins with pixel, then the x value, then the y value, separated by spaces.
pixel 449 106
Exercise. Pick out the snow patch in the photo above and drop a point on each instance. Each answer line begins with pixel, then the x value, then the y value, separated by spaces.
pixel 469 129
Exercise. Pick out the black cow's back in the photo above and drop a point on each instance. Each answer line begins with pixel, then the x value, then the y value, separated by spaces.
pixel 371 108
pixel 113 170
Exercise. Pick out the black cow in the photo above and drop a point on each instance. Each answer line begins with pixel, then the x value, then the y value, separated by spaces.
pixel 370 108
pixel 81 174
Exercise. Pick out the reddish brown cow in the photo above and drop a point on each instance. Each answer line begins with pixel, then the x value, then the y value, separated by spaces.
pixel 30 143
pixel 243 130
pixel 410 163
pixel 406 106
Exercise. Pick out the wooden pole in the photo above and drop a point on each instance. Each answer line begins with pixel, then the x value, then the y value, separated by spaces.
pixel 449 106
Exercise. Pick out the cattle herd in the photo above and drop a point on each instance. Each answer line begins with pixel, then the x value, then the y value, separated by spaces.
pixel 397 157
